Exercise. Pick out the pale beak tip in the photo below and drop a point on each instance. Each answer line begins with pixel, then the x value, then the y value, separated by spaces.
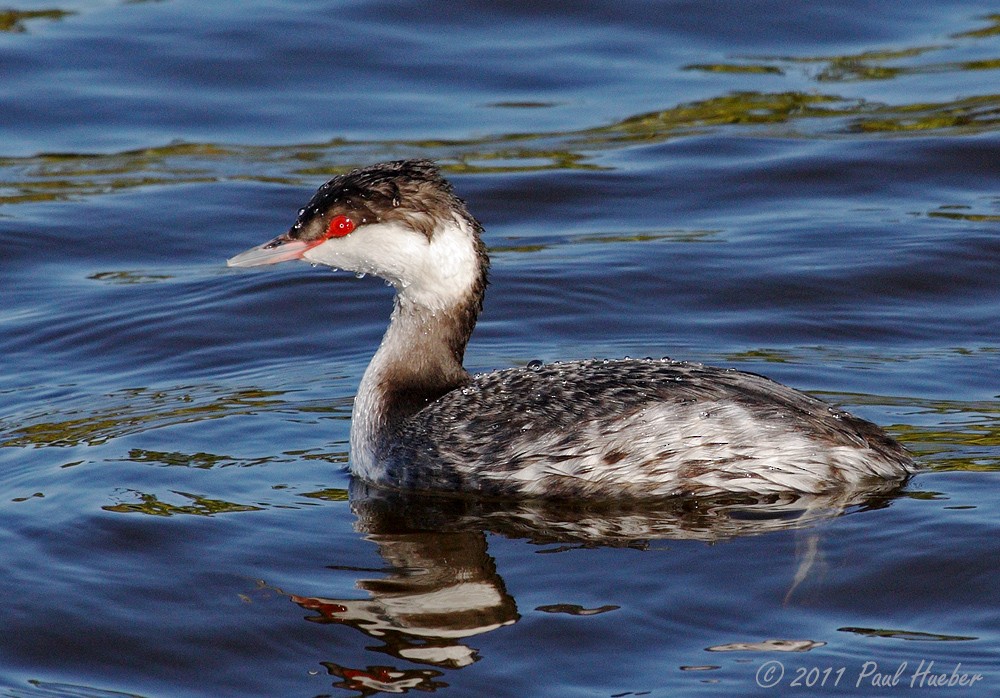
pixel 280 249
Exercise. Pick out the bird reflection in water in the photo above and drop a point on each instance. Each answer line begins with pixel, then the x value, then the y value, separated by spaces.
pixel 443 588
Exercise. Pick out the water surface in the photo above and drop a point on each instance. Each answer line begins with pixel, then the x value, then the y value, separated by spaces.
pixel 805 190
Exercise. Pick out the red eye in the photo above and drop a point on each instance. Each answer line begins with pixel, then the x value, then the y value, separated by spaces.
pixel 339 227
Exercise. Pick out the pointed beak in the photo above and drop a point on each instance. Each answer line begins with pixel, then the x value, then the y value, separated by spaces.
pixel 280 249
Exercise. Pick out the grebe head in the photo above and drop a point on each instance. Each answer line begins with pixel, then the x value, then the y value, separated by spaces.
pixel 399 221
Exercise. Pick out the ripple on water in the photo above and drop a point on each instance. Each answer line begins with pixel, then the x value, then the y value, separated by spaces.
pixel 814 199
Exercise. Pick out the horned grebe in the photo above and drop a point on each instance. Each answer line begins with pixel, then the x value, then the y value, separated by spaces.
pixel 621 428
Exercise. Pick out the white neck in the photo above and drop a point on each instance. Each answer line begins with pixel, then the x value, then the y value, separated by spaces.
pixel 439 286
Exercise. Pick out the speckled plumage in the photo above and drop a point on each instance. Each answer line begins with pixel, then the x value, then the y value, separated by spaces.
pixel 635 428
pixel 621 428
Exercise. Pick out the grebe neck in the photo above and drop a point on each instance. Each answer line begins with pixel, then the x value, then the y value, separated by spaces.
pixel 420 357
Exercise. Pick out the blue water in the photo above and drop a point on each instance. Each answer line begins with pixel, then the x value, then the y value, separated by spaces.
pixel 804 190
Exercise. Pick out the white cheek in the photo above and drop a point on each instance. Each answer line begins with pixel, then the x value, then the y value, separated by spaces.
pixel 388 250
pixel 435 274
